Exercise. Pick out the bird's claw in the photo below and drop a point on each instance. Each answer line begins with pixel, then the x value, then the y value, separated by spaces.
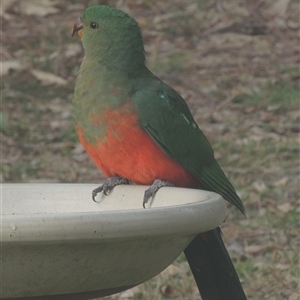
pixel 152 190
pixel 108 185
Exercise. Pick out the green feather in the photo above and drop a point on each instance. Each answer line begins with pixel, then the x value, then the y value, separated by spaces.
pixel 167 119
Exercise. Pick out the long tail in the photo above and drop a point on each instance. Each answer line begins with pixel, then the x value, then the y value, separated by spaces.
pixel 212 268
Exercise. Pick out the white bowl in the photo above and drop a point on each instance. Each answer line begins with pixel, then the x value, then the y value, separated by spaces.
pixel 57 243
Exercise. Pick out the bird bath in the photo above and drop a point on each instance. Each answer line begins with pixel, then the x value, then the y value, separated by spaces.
pixel 56 243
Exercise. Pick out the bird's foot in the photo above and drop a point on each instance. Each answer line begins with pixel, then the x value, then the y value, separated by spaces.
pixel 108 185
pixel 151 191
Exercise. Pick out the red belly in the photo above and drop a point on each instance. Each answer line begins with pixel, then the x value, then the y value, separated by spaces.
pixel 128 151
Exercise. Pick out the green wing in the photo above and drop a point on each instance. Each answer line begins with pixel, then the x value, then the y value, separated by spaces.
pixel 167 119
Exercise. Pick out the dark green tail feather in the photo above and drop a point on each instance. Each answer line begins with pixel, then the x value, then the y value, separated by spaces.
pixel 213 179
pixel 212 268
pixel 207 256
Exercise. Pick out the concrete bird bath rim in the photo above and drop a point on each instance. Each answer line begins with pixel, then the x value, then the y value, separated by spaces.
pixel 57 243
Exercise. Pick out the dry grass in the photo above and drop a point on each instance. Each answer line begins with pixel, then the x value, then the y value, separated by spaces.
pixel 243 90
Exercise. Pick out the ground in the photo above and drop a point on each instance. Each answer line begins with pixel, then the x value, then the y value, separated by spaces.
pixel 236 63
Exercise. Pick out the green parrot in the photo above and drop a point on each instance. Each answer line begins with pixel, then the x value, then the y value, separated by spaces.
pixel 136 128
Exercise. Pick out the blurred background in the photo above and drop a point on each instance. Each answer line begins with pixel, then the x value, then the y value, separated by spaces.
pixel 236 63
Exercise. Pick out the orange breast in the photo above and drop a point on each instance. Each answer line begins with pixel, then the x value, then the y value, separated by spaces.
pixel 128 151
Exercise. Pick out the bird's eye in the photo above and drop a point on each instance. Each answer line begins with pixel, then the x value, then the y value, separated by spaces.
pixel 94 25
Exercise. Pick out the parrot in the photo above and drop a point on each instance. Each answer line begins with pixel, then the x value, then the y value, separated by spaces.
pixel 136 128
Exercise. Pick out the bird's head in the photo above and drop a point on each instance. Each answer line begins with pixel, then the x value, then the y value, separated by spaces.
pixel 109 33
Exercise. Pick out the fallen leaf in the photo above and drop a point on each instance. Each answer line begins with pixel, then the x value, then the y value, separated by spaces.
pixel 255 249
pixel 76 6
pixel 48 78
pixel 259 186
pixel 8 65
pixel 282 181
pixel 80 157
pixel 285 208
pixel 40 8
pixel 5 6
pixel 279 8
pixel 55 124
pixel 273 107
pixel 294 296
pixel 78 149
pixel 282 267
pixel 236 247
pixel 293 25
pixel 169 291
pixel 72 50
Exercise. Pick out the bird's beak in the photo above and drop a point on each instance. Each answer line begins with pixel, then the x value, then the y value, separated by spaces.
pixel 77 27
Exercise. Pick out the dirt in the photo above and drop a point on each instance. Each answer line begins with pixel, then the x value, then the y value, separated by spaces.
pixel 236 63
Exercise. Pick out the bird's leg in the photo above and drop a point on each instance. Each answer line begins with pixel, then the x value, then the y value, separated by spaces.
pixel 108 185
pixel 151 191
